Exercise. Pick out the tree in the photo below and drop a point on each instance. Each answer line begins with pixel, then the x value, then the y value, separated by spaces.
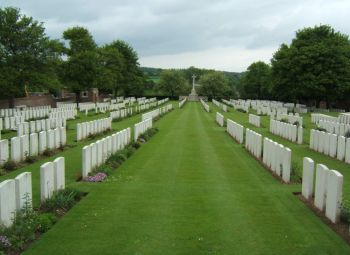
pixel 214 84
pixel 110 69
pixel 315 66
pixel 80 71
pixel 256 81
pixel 28 58
pixel 132 78
pixel 173 83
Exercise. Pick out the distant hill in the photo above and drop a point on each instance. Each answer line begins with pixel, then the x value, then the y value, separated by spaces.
pixel 154 73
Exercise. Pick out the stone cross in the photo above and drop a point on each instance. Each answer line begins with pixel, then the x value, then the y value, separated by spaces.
pixel 193 81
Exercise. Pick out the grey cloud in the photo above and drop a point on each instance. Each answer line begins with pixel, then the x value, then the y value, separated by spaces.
pixel 159 27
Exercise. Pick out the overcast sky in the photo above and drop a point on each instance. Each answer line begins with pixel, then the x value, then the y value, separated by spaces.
pixel 222 34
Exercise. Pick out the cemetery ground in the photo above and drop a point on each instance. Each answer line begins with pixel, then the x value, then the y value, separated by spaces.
pixel 298 151
pixel 190 190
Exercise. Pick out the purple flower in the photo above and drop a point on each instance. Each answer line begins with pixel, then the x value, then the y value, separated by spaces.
pixel 5 242
pixel 99 177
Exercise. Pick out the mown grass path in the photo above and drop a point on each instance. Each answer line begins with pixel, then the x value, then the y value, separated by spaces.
pixel 190 190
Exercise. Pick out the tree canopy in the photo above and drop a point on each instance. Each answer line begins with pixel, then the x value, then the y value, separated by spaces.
pixel 315 66
pixel 256 82
pixel 28 57
pixel 173 83
pixel 214 84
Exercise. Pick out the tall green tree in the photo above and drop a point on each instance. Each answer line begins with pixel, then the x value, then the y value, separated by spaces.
pixel 315 66
pixel 28 58
pixel 173 83
pixel 256 82
pixel 214 84
pixel 81 70
pixel 132 78
pixel 110 69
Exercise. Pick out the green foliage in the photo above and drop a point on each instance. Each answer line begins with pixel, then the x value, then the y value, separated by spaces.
pixel 28 58
pixel 345 211
pixel 61 201
pixel 107 168
pixel 214 84
pixel 173 83
pixel 25 224
pixel 46 221
pixel 295 173
pixel 256 82
pixel 10 165
pixel 316 65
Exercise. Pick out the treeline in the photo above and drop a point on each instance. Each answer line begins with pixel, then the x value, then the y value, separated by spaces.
pixel 314 67
pixel 211 83
pixel 31 61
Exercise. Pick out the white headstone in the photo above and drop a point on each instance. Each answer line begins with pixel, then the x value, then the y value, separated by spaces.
pixel 334 195
pixel 7 202
pixel 23 183
pixel 47 180
pixel 308 177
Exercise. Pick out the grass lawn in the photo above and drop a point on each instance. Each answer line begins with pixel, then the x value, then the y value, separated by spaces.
pixel 298 151
pixel 72 155
pixel 190 190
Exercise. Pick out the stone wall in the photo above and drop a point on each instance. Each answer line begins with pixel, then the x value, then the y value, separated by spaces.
pixel 30 101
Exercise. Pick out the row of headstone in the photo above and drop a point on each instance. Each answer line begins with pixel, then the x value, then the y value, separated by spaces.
pixel 290 118
pixel 39 125
pixel 52 178
pixel 275 156
pixel 32 145
pixel 163 101
pixel 330 144
pixel 121 113
pixel 287 131
pixel 316 117
pixel 27 113
pixel 220 119
pixel 205 105
pixel 157 112
pixel 83 107
pixel 278 158
pixel 235 130
pixel 141 128
pixel 68 114
pixel 97 153
pixel 85 129
pixel 15 194
pixel 11 123
pixel 182 102
pixel 344 118
pixel 220 105
pixel 327 190
pixel 240 105
pixel 253 143
pixel 254 120
pixel 333 127
pixel 65 105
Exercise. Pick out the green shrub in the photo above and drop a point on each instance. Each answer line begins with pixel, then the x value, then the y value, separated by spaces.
pixel 31 159
pixel 10 165
pixel 129 151
pixel 284 120
pixel 136 145
pixel 295 173
pixel 25 224
pixel 241 110
pixel 105 168
pixel 61 201
pixel 46 221
pixel 347 134
pixel 48 153
pixel 296 123
pixel 321 129
pixel 345 211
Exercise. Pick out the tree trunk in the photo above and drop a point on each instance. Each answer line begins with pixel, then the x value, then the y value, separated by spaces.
pixel 77 98
pixel 11 101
